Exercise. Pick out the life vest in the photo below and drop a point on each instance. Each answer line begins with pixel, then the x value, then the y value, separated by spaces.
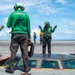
pixel 47 32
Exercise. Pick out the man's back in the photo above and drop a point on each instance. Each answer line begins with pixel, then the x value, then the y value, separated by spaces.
pixel 19 21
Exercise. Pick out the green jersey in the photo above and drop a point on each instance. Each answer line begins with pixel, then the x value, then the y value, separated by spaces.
pixel 19 22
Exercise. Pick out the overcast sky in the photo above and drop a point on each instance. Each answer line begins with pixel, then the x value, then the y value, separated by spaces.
pixel 57 12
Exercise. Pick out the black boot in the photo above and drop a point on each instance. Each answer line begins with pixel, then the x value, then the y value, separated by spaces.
pixel 9 70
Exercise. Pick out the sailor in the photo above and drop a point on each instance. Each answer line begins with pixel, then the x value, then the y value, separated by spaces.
pixel 47 36
pixel 19 22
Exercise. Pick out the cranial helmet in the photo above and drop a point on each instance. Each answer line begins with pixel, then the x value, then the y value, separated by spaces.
pixel 47 23
pixel 19 5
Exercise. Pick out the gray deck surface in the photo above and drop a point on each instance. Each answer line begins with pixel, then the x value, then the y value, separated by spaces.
pixel 41 72
pixel 58 47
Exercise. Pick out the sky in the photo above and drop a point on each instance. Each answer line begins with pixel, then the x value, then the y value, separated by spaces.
pixel 57 12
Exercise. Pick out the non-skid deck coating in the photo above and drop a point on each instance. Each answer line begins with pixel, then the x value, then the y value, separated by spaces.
pixel 40 72
pixel 58 47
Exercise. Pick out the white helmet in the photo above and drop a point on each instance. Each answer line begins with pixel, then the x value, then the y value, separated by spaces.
pixel 19 5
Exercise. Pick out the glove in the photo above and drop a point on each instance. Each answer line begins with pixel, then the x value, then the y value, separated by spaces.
pixel 55 26
pixel 1 27
pixel 40 27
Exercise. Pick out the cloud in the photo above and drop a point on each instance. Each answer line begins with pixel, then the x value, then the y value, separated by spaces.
pixel 46 10
pixel 67 32
pixel 72 24
pixel 5 20
pixel 6 7
pixel 7 0
pixel 4 33
pixel 53 10
pixel 1 33
pixel 62 1
pixel 8 31
pixel 45 7
pixel 36 31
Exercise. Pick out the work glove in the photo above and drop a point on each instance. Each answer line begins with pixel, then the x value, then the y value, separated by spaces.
pixel 1 27
pixel 55 26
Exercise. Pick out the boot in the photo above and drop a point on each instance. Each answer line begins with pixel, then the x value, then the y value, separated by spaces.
pixel 27 69
pixel 9 70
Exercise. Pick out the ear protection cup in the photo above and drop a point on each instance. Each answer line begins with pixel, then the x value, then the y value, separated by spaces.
pixel 22 8
pixel 15 8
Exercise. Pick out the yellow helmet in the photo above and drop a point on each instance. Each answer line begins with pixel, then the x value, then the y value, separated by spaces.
pixel 41 33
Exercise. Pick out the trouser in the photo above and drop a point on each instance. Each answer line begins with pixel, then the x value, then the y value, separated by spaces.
pixel 30 53
pixel 34 40
pixel 16 41
pixel 46 41
pixel 41 39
